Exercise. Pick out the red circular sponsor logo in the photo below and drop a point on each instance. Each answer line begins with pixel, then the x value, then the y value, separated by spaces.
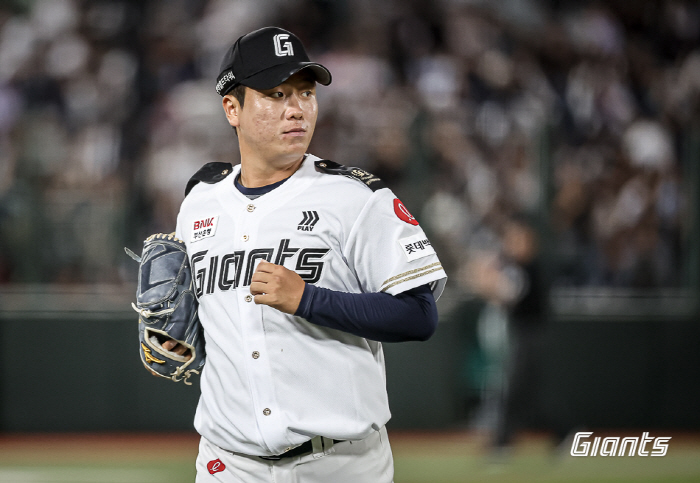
pixel 215 466
pixel 403 213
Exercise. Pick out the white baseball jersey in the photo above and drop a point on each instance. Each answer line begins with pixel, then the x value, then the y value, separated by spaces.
pixel 272 380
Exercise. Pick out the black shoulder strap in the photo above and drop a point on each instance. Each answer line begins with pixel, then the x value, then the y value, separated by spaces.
pixel 331 167
pixel 210 173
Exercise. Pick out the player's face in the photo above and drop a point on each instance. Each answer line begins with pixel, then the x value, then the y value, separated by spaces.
pixel 276 125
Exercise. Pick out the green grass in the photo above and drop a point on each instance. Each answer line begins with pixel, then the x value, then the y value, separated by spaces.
pixel 534 461
pixel 123 473
pixel 533 468
pixel 419 458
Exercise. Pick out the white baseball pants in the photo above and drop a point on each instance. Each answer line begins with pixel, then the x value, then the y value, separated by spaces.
pixel 366 461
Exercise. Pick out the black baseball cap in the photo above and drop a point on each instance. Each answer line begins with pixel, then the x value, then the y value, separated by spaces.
pixel 265 58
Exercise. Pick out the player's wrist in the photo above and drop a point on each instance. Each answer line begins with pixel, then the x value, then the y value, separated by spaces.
pixel 304 309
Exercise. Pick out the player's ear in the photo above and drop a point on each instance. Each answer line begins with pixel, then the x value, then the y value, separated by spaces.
pixel 232 109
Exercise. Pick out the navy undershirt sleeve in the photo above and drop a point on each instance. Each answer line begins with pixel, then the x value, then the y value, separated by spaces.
pixel 410 315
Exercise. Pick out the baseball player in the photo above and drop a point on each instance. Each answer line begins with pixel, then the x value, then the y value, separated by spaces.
pixel 302 268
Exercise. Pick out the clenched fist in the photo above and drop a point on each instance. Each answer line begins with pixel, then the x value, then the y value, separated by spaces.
pixel 277 287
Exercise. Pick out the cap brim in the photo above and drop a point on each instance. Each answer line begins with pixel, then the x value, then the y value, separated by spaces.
pixel 277 74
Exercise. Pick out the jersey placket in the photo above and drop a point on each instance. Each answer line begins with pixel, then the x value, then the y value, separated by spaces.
pixel 257 356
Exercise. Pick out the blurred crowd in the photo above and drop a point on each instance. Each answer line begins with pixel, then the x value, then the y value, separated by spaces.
pixel 577 120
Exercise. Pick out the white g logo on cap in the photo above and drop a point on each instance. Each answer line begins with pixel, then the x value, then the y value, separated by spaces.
pixel 283 49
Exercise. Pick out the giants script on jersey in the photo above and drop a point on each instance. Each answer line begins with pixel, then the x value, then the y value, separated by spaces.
pixel 224 272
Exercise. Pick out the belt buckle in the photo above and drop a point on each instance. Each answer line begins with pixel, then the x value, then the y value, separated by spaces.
pixel 276 457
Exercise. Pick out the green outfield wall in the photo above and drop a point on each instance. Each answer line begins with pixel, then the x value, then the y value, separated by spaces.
pixel 69 362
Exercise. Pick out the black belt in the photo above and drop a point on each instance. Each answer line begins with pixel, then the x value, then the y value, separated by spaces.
pixel 301 450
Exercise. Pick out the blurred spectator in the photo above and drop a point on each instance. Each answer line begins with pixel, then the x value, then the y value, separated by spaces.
pixel 512 328
pixel 475 111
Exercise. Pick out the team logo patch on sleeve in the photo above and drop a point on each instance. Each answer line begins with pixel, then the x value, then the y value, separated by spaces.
pixel 416 246
pixel 204 228
pixel 403 213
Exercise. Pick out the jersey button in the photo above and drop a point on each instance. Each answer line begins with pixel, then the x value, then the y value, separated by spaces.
pixel 256 354
pixel 250 208
pixel 248 298
pixel 267 411
pixel 246 238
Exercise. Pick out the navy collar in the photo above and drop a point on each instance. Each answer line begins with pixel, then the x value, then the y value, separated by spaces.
pixel 256 192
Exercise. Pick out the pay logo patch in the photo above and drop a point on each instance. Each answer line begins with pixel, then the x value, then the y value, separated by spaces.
pixel 309 221
pixel 204 228
pixel 416 246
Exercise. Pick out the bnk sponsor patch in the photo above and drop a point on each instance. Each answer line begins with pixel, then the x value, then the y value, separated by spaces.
pixel 204 228
pixel 416 246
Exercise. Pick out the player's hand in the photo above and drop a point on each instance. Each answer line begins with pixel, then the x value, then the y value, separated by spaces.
pixel 277 287
pixel 174 346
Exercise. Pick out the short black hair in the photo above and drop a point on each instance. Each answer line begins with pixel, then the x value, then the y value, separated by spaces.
pixel 239 93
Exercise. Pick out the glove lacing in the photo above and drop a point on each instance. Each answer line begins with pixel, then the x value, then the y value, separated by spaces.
pixel 147 313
